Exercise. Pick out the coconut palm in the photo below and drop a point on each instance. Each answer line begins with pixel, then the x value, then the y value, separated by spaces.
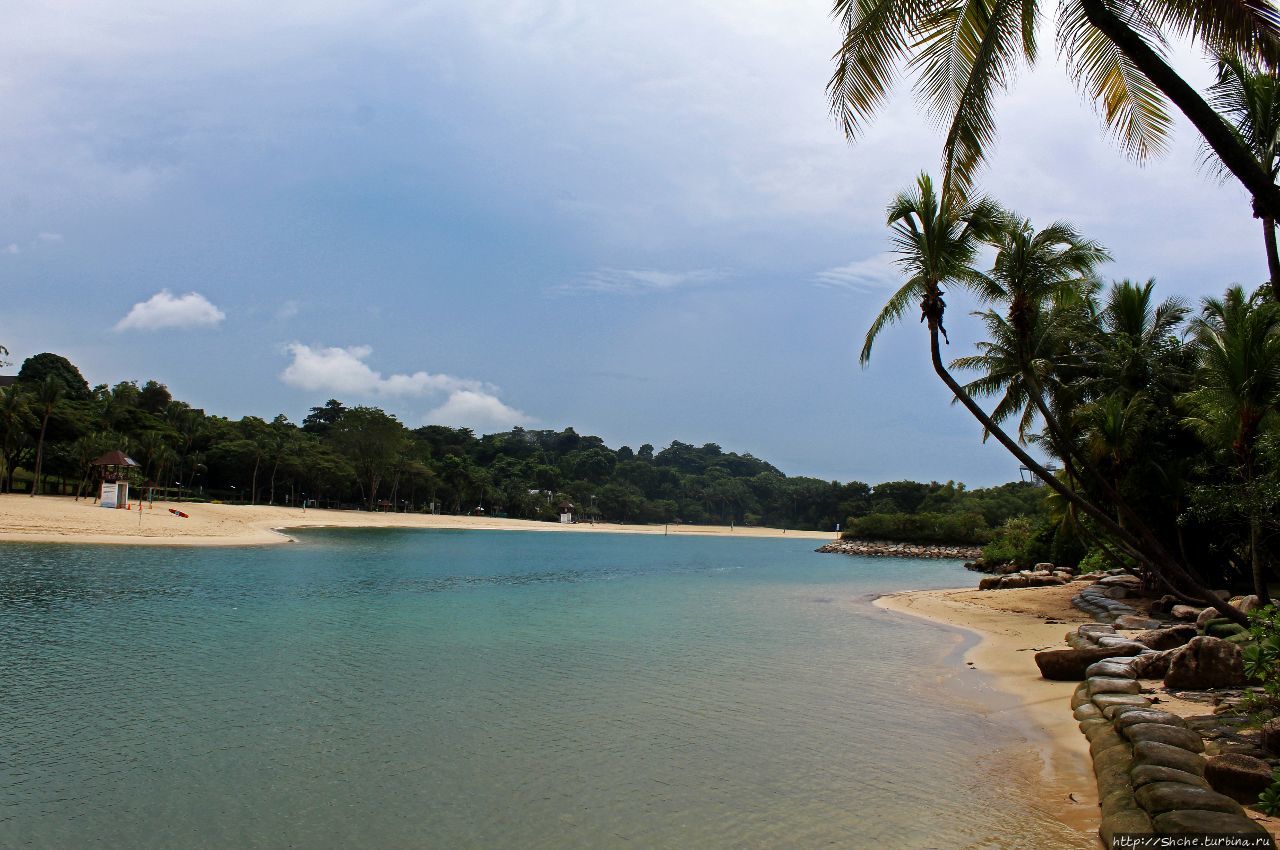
pixel 1237 394
pixel 1248 97
pixel 48 394
pixel 936 239
pixel 965 52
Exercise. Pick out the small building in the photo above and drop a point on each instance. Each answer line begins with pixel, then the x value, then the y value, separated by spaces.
pixel 566 511
pixel 115 468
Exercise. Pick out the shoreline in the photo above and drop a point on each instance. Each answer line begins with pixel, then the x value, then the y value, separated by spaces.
pixel 61 519
pixel 1009 626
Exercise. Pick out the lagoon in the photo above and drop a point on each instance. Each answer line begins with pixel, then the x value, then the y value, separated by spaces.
pixel 450 689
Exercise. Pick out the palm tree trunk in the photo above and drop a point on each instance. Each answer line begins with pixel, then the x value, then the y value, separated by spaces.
pixel 1163 567
pixel 1234 155
pixel 1273 255
pixel 35 485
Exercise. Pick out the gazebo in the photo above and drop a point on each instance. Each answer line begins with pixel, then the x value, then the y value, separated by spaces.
pixel 566 511
pixel 115 479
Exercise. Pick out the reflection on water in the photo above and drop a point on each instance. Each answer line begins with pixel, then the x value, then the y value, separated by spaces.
pixel 389 689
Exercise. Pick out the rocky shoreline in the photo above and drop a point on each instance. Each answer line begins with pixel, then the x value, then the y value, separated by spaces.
pixel 887 549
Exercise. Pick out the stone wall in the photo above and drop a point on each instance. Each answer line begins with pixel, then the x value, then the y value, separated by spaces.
pixel 882 548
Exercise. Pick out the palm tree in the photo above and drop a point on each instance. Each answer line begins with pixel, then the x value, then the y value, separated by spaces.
pixel 1237 392
pixel 1248 97
pixel 965 52
pixel 936 239
pixel 47 395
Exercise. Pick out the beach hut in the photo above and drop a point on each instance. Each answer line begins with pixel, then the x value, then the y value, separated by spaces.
pixel 566 511
pixel 115 468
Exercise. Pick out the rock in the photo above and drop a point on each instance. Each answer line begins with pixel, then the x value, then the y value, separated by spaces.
pixel 1046 566
pixel 1159 797
pixel 1242 778
pixel 1109 685
pixel 1115 701
pixel 1122 580
pixel 1205 662
pixel 1271 735
pixel 1088 711
pixel 1205 615
pixel 1184 612
pixel 1131 822
pixel 1135 621
pixel 1162 639
pixel 1153 665
pixel 1068 665
pixel 1147 773
pixel 1117 642
pixel 1134 716
pixel 1174 736
pixel 989 583
pixel 1225 629
pixel 1163 605
pixel 1112 668
pixel 1199 822
pixel 1244 603
pixel 1164 755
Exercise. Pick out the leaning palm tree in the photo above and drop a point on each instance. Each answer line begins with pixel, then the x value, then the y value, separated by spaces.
pixel 1237 394
pixel 965 52
pixel 48 394
pixel 1248 97
pixel 936 239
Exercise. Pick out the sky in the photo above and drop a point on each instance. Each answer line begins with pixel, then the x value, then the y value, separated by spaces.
pixel 638 220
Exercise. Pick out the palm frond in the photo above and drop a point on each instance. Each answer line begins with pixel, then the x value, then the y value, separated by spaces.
pixel 1133 108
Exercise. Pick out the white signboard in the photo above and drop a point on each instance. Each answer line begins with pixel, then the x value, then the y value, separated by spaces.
pixel 110 495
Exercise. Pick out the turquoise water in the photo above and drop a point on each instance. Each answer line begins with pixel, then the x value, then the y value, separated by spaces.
pixel 435 689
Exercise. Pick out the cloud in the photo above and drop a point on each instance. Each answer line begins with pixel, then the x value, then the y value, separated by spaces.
pixel 288 310
pixel 635 281
pixel 469 403
pixel 872 274
pixel 163 310
pixel 477 410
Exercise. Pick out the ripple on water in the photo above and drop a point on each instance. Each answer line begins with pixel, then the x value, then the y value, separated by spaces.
pixel 416 689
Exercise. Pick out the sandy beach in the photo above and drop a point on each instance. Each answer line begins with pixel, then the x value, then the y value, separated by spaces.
pixel 61 519
pixel 1011 625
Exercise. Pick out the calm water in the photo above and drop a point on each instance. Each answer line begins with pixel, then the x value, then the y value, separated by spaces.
pixel 407 689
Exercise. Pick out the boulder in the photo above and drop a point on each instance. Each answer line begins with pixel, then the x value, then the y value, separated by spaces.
pixel 1134 716
pixel 1161 639
pixel 1115 668
pixel 1135 621
pixel 1148 773
pixel 1068 665
pixel 1205 662
pixel 1122 580
pixel 1245 603
pixel 1242 778
pixel 1200 822
pixel 1174 736
pixel 989 583
pixel 1153 665
pixel 1159 797
pixel 1164 755
pixel 1205 616
pixel 1111 685
pixel 1184 612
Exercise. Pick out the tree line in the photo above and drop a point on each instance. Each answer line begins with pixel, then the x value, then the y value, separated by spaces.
pixel 53 425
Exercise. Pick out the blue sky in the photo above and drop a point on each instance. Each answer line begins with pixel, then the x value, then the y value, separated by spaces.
pixel 635 219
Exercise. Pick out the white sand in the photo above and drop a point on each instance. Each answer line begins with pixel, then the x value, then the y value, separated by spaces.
pixel 61 519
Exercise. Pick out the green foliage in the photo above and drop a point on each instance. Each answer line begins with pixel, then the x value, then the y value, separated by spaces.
pixel 36 368
pixel 1269 799
pixel 1021 540
pixel 952 528
pixel 1262 663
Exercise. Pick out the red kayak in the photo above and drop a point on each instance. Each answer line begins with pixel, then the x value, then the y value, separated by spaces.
pixel 177 512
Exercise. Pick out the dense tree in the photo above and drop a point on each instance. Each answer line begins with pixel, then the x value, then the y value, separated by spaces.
pixel 40 366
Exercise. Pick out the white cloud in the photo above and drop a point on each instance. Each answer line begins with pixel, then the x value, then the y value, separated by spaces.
pixel 633 281
pixel 164 310
pixel 287 310
pixel 343 370
pixel 48 236
pixel 872 274
pixel 469 402
pixel 12 248
pixel 477 410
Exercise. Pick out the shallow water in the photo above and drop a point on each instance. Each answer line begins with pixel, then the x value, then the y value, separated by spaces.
pixel 406 689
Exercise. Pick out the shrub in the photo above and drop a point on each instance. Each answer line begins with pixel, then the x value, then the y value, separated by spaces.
pixel 965 529
pixel 1020 541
